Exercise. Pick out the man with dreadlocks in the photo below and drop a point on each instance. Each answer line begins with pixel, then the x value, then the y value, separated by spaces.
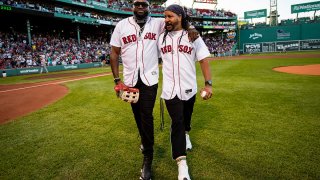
pixel 179 79
pixel 135 40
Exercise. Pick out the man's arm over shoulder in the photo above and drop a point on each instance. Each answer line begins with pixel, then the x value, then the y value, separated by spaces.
pixel 161 23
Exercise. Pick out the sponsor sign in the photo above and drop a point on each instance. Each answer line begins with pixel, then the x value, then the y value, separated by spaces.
pixel 310 44
pixel 95 3
pixel 28 71
pixel 255 14
pixel 281 34
pixel 70 67
pixel 104 22
pixel 255 36
pixel 219 27
pixel 206 1
pixel 231 35
pixel 252 48
pixel 287 45
pixel 305 7
pixel 280 46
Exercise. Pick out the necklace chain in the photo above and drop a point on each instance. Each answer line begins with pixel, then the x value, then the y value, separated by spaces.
pixel 141 30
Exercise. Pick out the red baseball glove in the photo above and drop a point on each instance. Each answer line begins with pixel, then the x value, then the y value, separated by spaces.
pixel 127 94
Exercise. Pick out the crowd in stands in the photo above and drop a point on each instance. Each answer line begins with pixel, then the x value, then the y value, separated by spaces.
pixel 155 8
pixel 16 53
pixel 211 13
pixel 219 46
pixel 158 9
pixel 47 7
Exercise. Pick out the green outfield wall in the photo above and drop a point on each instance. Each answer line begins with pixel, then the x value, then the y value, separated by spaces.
pixel 295 37
pixel 36 70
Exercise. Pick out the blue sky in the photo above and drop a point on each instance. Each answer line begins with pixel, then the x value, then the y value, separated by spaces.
pixel 240 6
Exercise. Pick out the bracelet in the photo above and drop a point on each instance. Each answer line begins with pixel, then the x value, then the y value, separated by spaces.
pixel 116 80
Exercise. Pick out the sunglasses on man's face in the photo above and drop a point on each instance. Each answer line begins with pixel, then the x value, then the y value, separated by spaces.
pixel 143 4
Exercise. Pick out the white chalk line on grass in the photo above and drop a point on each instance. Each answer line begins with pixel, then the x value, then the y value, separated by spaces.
pixel 53 83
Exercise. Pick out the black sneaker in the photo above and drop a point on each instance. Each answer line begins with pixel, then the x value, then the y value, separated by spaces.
pixel 146 168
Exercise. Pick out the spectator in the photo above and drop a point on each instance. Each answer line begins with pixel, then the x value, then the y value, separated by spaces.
pixel 43 64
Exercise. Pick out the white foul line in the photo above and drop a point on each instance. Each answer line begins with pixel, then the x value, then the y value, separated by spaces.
pixel 59 82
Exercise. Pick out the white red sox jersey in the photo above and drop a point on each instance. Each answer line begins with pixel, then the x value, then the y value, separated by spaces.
pixel 178 68
pixel 139 50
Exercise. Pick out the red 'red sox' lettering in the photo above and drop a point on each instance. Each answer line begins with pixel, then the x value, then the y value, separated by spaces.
pixel 185 49
pixel 182 48
pixel 151 36
pixel 166 49
pixel 129 39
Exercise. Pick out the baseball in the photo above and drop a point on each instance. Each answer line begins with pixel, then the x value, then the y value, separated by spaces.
pixel 203 93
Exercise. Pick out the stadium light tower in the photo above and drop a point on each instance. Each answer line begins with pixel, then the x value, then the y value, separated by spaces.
pixel 273 13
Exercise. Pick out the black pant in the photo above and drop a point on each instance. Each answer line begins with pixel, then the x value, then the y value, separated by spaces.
pixel 142 111
pixel 180 112
pixel 187 112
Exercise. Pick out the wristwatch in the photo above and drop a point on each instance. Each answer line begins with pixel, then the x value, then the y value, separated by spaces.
pixel 208 83
pixel 116 80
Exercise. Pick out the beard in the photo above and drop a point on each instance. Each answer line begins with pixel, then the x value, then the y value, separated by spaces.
pixel 141 16
pixel 169 27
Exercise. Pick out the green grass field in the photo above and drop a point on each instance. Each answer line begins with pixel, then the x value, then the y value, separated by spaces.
pixel 260 124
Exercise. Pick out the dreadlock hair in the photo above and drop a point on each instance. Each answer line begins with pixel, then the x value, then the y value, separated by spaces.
pixel 184 19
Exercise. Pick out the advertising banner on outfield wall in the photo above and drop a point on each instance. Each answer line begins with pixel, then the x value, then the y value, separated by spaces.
pixel 287 45
pixel 27 71
pixel 280 46
pixel 36 70
pixel 305 7
pixel 252 48
pixel 311 44
pixel 292 32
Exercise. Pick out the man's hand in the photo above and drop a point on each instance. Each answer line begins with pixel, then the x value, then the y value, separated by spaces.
pixel 206 92
pixel 125 93
pixel 193 34
pixel 120 87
